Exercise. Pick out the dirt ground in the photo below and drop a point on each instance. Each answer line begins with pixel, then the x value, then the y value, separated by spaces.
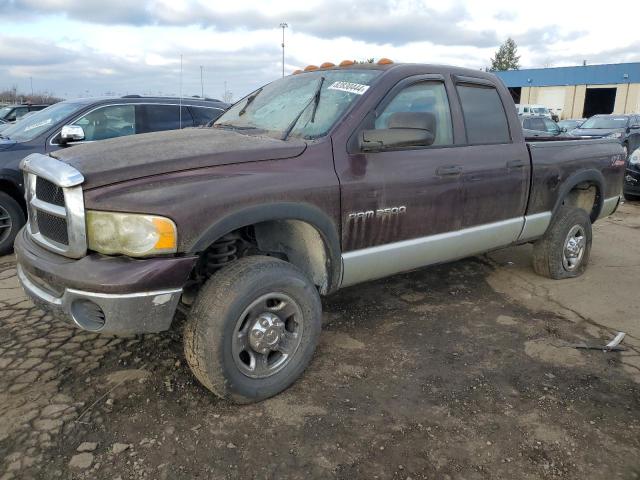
pixel 461 371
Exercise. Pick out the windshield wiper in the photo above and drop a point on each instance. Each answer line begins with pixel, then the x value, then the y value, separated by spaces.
pixel 316 100
pixel 250 99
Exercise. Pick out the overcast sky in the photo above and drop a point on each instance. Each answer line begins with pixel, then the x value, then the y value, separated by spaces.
pixel 89 47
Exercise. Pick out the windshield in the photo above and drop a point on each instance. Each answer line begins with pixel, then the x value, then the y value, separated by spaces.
pixel 605 123
pixel 4 111
pixel 275 107
pixel 30 127
pixel 540 110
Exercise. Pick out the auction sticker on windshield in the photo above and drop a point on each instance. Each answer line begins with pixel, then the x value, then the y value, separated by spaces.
pixel 349 87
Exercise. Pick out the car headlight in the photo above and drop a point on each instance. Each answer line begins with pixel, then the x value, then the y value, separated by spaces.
pixel 130 234
pixel 614 135
pixel 634 159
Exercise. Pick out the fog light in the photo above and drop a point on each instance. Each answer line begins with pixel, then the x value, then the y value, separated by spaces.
pixel 87 315
pixel 630 179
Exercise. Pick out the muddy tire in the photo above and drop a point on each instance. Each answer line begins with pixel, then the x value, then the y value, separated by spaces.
pixel 11 221
pixel 563 251
pixel 253 329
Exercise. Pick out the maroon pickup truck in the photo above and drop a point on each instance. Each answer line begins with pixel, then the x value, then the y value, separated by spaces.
pixel 321 180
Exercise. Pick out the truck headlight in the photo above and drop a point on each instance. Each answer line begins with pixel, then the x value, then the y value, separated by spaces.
pixel 130 234
pixel 634 159
pixel 614 135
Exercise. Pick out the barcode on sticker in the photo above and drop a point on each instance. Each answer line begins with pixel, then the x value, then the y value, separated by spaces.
pixel 349 87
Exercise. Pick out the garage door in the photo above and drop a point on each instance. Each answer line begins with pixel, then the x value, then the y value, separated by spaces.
pixel 553 98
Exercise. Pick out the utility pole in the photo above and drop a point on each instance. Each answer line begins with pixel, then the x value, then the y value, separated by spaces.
pixel 283 25
pixel 31 80
pixel 201 82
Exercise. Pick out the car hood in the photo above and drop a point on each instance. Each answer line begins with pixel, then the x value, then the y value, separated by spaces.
pixel 6 144
pixel 127 158
pixel 595 132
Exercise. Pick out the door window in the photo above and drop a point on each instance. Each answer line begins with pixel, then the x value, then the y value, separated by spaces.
pixel 108 122
pixel 158 118
pixel 428 97
pixel 551 126
pixel 203 115
pixel 484 116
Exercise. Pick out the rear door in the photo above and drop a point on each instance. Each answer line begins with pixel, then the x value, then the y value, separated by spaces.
pixel 161 117
pixel 496 169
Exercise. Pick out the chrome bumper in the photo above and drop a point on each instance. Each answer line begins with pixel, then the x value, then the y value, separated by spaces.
pixel 145 312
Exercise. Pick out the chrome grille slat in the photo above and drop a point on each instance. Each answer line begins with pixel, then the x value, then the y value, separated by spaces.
pixel 55 205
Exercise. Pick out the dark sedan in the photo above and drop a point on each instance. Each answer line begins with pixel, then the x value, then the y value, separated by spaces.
pixel 624 128
pixel 632 177
pixel 73 122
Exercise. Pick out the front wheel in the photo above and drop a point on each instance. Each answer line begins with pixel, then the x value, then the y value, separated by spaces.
pixel 563 251
pixel 11 221
pixel 253 329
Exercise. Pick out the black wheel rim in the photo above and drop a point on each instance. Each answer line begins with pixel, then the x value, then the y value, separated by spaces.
pixel 5 224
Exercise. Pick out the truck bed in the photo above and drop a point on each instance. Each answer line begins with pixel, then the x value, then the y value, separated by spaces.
pixel 554 160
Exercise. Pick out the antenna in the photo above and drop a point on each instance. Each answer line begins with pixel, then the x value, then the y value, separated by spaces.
pixel 201 83
pixel 180 91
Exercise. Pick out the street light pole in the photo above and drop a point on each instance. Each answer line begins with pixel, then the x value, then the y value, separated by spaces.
pixel 283 25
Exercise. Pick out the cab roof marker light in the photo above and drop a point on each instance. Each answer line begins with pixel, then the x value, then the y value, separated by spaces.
pixel 346 63
pixel 296 72
pixel 327 65
pixel 385 61
pixel 310 68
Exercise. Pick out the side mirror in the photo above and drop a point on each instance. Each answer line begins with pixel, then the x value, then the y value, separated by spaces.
pixel 635 127
pixel 405 129
pixel 563 129
pixel 71 133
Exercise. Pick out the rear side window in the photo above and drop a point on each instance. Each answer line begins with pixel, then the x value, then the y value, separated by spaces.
pixel 203 115
pixel 484 117
pixel 534 124
pixel 157 118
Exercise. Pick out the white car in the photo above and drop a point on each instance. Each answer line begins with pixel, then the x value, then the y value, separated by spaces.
pixel 528 110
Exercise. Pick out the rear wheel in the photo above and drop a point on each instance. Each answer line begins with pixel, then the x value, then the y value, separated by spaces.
pixel 564 250
pixel 253 329
pixel 11 221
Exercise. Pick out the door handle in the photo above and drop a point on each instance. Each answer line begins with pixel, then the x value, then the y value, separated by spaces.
pixel 449 170
pixel 516 163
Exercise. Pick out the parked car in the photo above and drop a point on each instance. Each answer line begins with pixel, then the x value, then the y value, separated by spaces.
pixel 531 110
pixel 540 126
pixel 624 128
pixel 75 122
pixel 11 113
pixel 632 177
pixel 571 124
pixel 320 180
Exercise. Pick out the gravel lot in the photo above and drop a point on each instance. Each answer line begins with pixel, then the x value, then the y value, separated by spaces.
pixel 461 371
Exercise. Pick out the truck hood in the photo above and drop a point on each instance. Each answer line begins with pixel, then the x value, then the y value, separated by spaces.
pixel 127 158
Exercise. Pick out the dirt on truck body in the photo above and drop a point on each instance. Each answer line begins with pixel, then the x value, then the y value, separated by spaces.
pixel 321 180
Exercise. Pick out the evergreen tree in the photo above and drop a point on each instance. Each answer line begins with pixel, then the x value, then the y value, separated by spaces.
pixel 506 57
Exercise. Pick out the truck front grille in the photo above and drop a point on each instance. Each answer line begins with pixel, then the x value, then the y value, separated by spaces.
pixel 55 205
pixel 48 192
pixel 52 227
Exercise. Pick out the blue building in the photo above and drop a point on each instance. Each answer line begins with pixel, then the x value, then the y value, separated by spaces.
pixel 578 92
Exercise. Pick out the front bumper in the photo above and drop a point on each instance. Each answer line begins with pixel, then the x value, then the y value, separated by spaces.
pixel 144 301
pixel 632 181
